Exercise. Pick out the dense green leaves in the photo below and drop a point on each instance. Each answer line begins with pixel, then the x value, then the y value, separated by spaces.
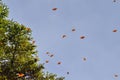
pixel 18 54
pixel 3 10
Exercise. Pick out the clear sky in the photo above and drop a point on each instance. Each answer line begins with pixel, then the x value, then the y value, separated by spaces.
pixel 95 19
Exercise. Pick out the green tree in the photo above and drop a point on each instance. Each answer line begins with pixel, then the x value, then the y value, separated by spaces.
pixel 18 54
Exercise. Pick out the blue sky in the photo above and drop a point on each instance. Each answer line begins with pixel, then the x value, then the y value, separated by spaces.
pixel 95 19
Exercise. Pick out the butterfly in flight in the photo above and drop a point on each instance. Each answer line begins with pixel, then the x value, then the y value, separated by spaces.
pixel 54 9
pixel 63 36
pixel 73 30
pixel 59 63
pixel 82 37
pixel 20 74
pixel 115 30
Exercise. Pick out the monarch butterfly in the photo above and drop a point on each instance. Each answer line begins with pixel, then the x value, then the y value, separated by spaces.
pixel 73 29
pixel 20 74
pixel 115 30
pixel 54 9
pixel 82 37
pixel 63 36
pixel 59 63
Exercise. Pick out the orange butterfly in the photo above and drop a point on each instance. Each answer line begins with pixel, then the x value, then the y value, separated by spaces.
pixel 63 36
pixel 115 30
pixel 54 9
pixel 59 63
pixel 73 29
pixel 82 37
pixel 20 74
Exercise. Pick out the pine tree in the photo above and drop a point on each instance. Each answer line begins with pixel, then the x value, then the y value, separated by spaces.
pixel 18 54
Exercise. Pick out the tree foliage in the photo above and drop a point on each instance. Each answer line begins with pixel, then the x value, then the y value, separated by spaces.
pixel 18 54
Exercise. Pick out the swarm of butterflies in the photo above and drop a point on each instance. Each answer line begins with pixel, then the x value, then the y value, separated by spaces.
pixel 81 37
pixel 84 58
pixel 65 36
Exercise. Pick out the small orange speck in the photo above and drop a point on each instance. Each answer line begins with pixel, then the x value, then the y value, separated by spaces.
pixel 82 37
pixel 59 63
pixel 115 30
pixel 20 74
pixel 54 9
pixel 73 29
pixel 63 36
